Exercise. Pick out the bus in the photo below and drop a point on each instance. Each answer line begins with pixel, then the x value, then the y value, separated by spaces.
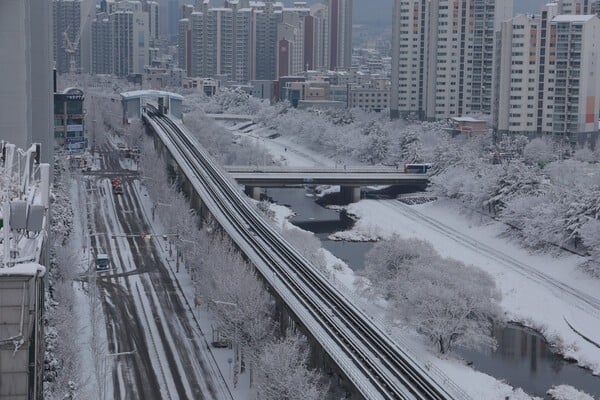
pixel 102 262
pixel 416 168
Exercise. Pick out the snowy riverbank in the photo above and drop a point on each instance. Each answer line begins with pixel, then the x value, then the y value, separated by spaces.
pixel 530 283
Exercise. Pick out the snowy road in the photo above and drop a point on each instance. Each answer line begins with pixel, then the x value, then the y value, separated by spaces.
pixel 148 322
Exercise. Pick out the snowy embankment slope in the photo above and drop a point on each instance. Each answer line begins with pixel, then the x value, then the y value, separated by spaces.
pixel 525 298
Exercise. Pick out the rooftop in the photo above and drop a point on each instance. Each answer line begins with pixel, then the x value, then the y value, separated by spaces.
pixel 572 18
pixel 150 93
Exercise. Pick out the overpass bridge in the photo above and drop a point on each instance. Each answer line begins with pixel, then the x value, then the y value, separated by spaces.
pixel 349 179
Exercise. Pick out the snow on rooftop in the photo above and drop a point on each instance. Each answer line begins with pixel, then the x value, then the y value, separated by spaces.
pixel 572 18
pixel 25 269
pixel 149 92
pixel 467 119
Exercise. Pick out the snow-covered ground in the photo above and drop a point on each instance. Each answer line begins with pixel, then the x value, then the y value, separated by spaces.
pixel 532 285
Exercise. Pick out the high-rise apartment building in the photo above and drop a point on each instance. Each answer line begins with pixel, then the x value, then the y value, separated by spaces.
pixel 319 45
pixel 184 45
pixel 252 40
pixel 123 58
pixel 290 39
pixel 340 34
pixel 102 44
pixel 66 26
pixel 152 8
pixel 547 78
pixel 197 46
pixel 219 42
pixel 442 56
pixel 242 45
pixel 518 71
pixel 266 20
pixel 71 32
pixel 121 38
pixel 575 98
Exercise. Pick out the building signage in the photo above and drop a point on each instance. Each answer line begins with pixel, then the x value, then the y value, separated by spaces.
pixel 77 139
pixel 74 128
pixel 74 97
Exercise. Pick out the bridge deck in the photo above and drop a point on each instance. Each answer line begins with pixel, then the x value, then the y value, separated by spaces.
pixel 272 176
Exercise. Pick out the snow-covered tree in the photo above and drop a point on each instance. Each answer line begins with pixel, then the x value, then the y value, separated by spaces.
pixel 540 151
pixel 566 392
pixel 448 302
pixel 590 235
pixel 307 244
pixel 282 372
pixel 222 145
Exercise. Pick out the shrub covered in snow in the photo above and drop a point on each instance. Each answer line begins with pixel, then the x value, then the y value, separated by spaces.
pixel 222 145
pixel 566 392
pixel 450 303
pixel 282 371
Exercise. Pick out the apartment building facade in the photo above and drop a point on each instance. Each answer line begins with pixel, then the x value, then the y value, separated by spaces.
pixel 66 26
pixel 442 56
pixel 547 69
pixel 340 34
pixel 121 39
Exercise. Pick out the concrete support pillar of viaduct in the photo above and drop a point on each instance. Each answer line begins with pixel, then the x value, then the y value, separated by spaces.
pixel 351 194
pixel 252 191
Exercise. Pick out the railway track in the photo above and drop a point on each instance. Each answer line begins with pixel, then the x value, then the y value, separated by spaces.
pixel 380 369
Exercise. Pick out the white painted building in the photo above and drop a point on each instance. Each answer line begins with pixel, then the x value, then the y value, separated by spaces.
pixel 518 74
pixel 547 68
pixel 442 56
pixel 373 96
pixel 575 97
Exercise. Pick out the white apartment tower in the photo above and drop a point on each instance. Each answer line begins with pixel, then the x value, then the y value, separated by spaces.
pixel 121 39
pixel 443 55
pixel 575 98
pixel 547 71
pixel 518 93
pixel 220 43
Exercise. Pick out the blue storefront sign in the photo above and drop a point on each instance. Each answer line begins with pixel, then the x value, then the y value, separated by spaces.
pixel 76 139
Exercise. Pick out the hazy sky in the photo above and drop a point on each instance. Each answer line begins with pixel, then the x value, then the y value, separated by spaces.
pixel 380 11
